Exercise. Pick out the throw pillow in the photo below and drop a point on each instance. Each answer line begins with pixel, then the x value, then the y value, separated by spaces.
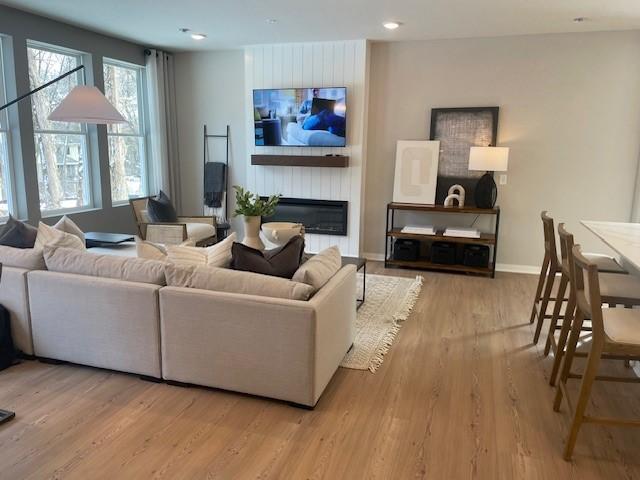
pixel 155 251
pixel 161 209
pixel 52 236
pixel 27 258
pixel 70 260
pixel 279 262
pixel 319 269
pixel 225 280
pixel 18 234
pixel 218 255
pixel 66 225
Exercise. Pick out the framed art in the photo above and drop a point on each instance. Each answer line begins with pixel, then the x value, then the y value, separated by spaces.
pixel 457 130
pixel 416 171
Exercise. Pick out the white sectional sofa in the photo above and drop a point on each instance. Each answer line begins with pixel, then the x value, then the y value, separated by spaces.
pixel 273 347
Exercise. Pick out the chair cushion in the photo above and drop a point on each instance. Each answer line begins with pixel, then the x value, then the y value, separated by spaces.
pixel 131 269
pixel 161 209
pixel 319 269
pixel 623 288
pixel 622 325
pixel 218 255
pixel 52 236
pixel 18 234
pixel 27 258
pixel 280 262
pixel 225 280
pixel 605 263
pixel 200 231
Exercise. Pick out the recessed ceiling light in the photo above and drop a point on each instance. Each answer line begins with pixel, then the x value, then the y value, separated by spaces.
pixel 580 19
pixel 390 25
pixel 198 36
pixel 271 21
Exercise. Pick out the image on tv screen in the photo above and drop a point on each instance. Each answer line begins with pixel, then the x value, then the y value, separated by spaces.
pixel 303 117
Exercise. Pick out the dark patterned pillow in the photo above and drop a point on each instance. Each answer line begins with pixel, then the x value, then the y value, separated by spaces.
pixel 279 262
pixel 161 209
pixel 17 234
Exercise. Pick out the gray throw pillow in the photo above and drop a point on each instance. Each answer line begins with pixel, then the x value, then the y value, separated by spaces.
pixel 279 262
pixel 161 209
pixel 18 234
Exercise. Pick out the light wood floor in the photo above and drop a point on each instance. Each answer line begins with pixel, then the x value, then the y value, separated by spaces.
pixel 462 394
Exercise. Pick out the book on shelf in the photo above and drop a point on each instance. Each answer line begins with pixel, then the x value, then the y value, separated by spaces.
pixel 419 230
pixel 462 232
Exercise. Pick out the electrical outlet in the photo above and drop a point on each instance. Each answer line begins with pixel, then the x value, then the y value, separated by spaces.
pixel 503 179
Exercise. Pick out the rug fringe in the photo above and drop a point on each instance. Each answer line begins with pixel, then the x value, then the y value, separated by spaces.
pixel 410 300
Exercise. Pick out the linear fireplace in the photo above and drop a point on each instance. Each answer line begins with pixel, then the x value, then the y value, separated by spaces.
pixel 324 217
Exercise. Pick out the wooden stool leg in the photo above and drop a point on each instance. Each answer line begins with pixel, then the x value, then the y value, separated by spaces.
pixel 562 288
pixel 567 358
pixel 585 391
pixel 543 274
pixel 562 339
pixel 545 301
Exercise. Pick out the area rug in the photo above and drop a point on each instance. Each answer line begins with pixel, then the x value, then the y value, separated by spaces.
pixel 389 302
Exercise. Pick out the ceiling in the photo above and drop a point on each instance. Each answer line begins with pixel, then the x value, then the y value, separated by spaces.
pixel 234 23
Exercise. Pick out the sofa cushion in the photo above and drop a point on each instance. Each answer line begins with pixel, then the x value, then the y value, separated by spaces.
pixel 70 260
pixel 225 280
pixel 66 225
pixel 27 258
pixel 319 269
pixel 150 250
pixel 280 262
pixel 51 236
pixel 199 231
pixel 17 234
pixel 218 255
pixel 161 209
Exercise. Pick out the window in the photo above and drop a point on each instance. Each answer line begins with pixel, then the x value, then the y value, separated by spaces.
pixel 6 177
pixel 123 86
pixel 61 147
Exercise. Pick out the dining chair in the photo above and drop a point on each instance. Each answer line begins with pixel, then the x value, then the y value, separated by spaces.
pixel 551 266
pixel 615 334
pixel 615 289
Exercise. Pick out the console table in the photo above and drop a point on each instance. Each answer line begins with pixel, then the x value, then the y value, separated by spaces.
pixel 393 232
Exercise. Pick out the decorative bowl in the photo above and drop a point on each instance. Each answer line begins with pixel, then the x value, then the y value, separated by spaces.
pixel 280 233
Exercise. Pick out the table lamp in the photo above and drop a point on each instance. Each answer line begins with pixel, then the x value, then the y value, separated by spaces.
pixel 489 160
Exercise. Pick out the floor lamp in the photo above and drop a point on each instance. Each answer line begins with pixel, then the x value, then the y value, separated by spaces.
pixel 83 104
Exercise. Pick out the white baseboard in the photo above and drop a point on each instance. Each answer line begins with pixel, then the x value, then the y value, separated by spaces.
pixel 500 267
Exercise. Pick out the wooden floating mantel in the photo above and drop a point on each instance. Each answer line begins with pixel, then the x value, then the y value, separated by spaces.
pixel 339 161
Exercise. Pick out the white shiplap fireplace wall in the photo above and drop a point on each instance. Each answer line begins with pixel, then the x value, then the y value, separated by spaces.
pixel 326 64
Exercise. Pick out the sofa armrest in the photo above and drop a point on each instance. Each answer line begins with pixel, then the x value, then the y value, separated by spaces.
pixel 167 233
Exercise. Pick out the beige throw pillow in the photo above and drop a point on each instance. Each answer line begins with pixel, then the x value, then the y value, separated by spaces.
pixel 69 260
pixel 51 236
pixel 218 255
pixel 27 258
pixel 66 225
pixel 232 281
pixel 156 251
pixel 319 269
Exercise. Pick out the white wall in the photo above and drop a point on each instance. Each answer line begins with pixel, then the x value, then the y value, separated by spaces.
pixel 209 90
pixel 569 110
pixel 314 65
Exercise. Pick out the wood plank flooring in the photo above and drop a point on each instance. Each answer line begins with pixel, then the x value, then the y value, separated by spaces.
pixel 463 394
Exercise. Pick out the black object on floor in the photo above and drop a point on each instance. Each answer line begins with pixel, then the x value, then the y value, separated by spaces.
pixel 6 415
pixel 7 350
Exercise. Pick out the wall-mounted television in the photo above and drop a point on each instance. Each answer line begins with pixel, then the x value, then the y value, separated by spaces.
pixel 300 117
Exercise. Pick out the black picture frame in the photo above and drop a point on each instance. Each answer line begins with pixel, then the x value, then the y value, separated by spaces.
pixel 468 181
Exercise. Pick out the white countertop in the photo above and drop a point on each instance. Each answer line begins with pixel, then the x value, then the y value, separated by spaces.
pixel 623 238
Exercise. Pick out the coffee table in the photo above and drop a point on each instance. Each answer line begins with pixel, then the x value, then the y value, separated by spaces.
pixel 102 239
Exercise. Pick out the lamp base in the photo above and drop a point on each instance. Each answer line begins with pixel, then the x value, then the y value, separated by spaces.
pixel 486 191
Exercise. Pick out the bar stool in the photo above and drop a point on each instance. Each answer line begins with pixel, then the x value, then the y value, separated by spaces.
pixel 550 268
pixel 615 334
pixel 615 289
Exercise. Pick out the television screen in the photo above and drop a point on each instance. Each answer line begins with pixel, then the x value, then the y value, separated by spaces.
pixel 301 117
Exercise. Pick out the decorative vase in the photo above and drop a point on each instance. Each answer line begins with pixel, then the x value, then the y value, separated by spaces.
pixel 252 233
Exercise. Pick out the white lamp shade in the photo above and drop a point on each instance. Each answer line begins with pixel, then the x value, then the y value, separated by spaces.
pixel 489 159
pixel 86 104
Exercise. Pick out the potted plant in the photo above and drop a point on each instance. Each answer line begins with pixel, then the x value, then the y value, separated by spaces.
pixel 252 208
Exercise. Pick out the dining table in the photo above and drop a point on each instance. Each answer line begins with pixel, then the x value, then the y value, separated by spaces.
pixel 623 238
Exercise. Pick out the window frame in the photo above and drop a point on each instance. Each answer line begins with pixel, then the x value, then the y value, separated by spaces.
pixel 143 133
pixel 7 130
pixel 87 187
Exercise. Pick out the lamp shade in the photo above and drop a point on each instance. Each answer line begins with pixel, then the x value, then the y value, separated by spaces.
pixel 86 104
pixel 489 159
